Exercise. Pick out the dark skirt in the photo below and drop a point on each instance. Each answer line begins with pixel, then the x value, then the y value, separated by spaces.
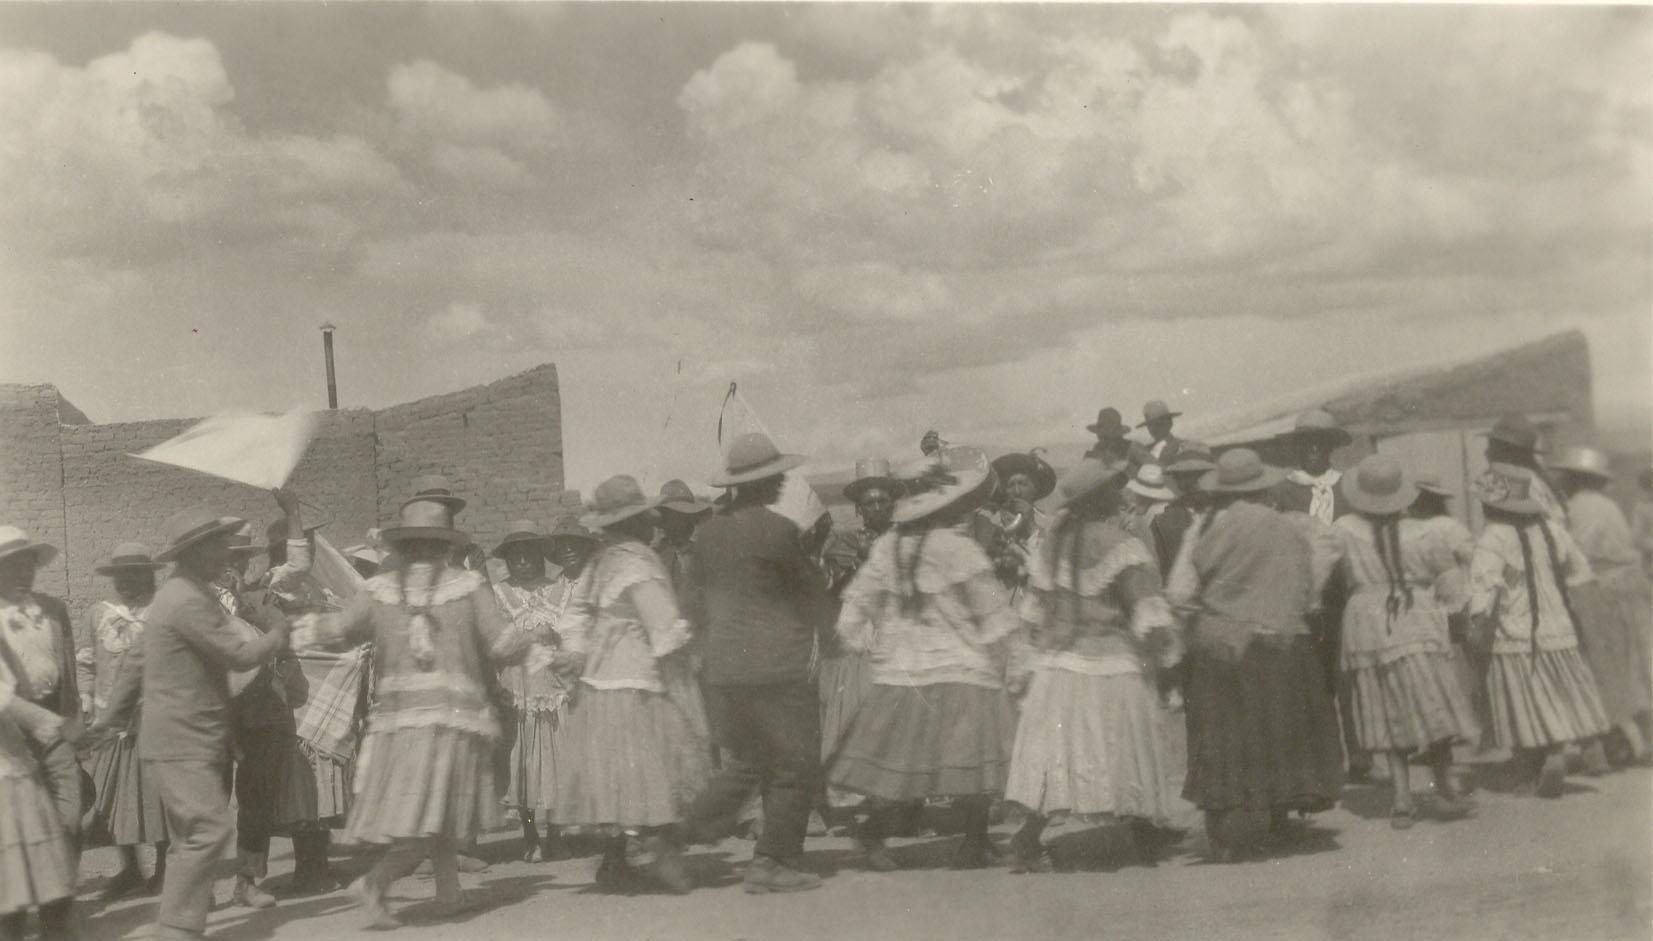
pixel 942 740
pixel 1262 732
pixel 127 810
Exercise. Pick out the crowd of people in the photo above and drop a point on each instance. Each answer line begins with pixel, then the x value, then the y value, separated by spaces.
pixel 992 634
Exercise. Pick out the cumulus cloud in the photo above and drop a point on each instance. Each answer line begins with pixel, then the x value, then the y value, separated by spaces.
pixel 460 320
pixel 433 102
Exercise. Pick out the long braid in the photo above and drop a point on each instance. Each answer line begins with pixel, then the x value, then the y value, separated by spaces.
pixel 1386 533
pixel 1560 575
pixel 1532 579
pixel 907 574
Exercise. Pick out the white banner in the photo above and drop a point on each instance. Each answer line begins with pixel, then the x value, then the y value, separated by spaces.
pixel 250 448
pixel 799 502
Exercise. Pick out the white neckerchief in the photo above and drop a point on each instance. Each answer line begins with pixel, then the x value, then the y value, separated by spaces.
pixel 1321 490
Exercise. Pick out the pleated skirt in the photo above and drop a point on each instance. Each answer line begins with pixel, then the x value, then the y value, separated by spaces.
pixel 127 806
pixel 1092 747
pixel 1615 618
pixel 1410 703
pixel 844 682
pixel 630 758
pixel 533 781
pixel 1543 698
pixel 316 790
pixel 37 859
pixel 423 782
pixel 1262 732
pixel 942 740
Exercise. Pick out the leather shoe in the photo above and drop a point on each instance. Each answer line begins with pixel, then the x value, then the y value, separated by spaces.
pixel 250 895
pixel 765 875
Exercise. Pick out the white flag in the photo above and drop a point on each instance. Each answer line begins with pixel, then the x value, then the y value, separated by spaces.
pixel 799 502
pixel 250 448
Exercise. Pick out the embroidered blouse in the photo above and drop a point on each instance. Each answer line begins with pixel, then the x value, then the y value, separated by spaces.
pixel 1097 620
pixel 537 609
pixel 624 619
pixel 109 631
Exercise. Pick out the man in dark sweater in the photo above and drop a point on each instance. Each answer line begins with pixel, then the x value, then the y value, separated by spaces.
pixel 760 604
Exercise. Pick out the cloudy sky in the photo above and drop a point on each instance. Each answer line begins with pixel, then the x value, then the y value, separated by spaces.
pixel 877 218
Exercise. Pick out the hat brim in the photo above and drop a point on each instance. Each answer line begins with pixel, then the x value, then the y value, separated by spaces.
pixel 115 568
pixel 520 539
pixel 395 534
pixel 1268 479
pixel 1039 471
pixel 686 507
pixel 1112 431
pixel 1583 472
pixel 914 508
pixel 1433 489
pixel 1192 466
pixel 859 486
pixel 226 524
pixel 605 520
pixel 1387 504
pixel 454 504
pixel 764 471
pixel 1334 434
pixel 1153 493
pixel 42 552
pixel 1061 502
pixel 1148 421
pixel 1525 506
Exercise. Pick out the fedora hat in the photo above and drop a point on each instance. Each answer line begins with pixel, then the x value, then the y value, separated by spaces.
pixel 1150 482
pixel 676 496
pixel 1085 478
pixel 14 540
pixel 871 473
pixel 522 531
pixel 1034 466
pixel 1516 430
pixel 1429 483
pixel 1379 486
pixel 1592 462
pixel 1156 410
pixel 1192 457
pixel 1317 422
pixel 424 519
pixel 617 499
pixel 1508 488
pixel 1240 471
pixel 754 457
pixel 193 526
pixel 129 557
pixel 1108 424
pixel 569 527
pixel 951 475
pixel 436 487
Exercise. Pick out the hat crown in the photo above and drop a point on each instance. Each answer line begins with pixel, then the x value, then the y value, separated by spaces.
pixel 750 450
pixel 1587 460
pixel 1239 466
pixel 425 514
pixel 11 534
pixel 617 493
pixel 1151 475
pixel 432 485
pixel 871 467
pixel 130 551
pixel 1316 419
pixel 523 527
pixel 186 522
pixel 1085 477
pixel 1516 429
pixel 1380 475
pixel 569 527
pixel 1156 408
pixel 676 490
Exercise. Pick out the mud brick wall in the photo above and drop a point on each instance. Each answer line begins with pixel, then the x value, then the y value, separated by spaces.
pixel 71 483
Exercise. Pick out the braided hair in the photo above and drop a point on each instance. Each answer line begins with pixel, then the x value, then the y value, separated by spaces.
pixel 1522 525
pixel 1386 533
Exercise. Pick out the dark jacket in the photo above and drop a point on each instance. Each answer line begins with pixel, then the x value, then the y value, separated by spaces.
pixel 760 601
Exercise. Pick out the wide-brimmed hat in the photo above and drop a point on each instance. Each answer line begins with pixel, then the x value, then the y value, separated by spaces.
pixel 569 527
pixel 1108 424
pixel 522 532
pixel 1083 479
pixel 1192 456
pixel 1318 423
pixel 1034 466
pixel 754 457
pixel 1592 462
pixel 871 473
pixel 1508 488
pixel 1517 431
pixel 424 519
pixel 952 474
pixel 436 487
pixel 192 526
pixel 1156 410
pixel 617 499
pixel 14 541
pixel 1241 471
pixel 1428 482
pixel 129 557
pixel 1150 482
pixel 1379 485
pixel 676 496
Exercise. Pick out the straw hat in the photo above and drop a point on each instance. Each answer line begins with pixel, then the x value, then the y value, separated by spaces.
pixel 1083 479
pixel 869 474
pixel 676 496
pixel 1591 462
pixel 129 557
pixel 1516 431
pixel 754 457
pixel 1156 410
pixel 193 526
pixel 1508 488
pixel 952 475
pixel 520 532
pixel 1193 456
pixel 1034 466
pixel 436 487
pixel 1318 423
pixel 1241 471
pixel 617 499
pixel 568 527
pixel 14 540
pixel 1108 424
pixel 1379 486
pixel 1150 482
pixel 424 519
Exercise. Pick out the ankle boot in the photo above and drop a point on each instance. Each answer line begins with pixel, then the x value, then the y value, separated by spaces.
pixel 250 895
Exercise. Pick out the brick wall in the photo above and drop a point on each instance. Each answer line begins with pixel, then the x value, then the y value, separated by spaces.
pixel 71 484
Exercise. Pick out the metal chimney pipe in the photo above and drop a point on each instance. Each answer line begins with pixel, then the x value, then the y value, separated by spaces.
pixel 327 351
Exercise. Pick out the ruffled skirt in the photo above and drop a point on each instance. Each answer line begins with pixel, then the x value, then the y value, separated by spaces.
pixel 630 758
pixel 37 858
pixel 1543 698
pixel 127 807
pixel 532 784
pixel 1092 747
pixel 1262 732
pixel 1409 703
pixel 423 782
pixel 1614 616
pixel 941 740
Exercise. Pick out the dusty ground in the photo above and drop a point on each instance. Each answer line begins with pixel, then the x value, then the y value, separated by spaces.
pixel 1574 868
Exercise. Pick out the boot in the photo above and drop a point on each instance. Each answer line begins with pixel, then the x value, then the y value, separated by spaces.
pixel 1552 774
pixel 1026 850
pixel 765 875
pixel 614 873
pixel 250 895
pixel 311 873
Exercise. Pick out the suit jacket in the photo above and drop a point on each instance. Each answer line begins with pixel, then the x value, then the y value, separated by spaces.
pixel 188 652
